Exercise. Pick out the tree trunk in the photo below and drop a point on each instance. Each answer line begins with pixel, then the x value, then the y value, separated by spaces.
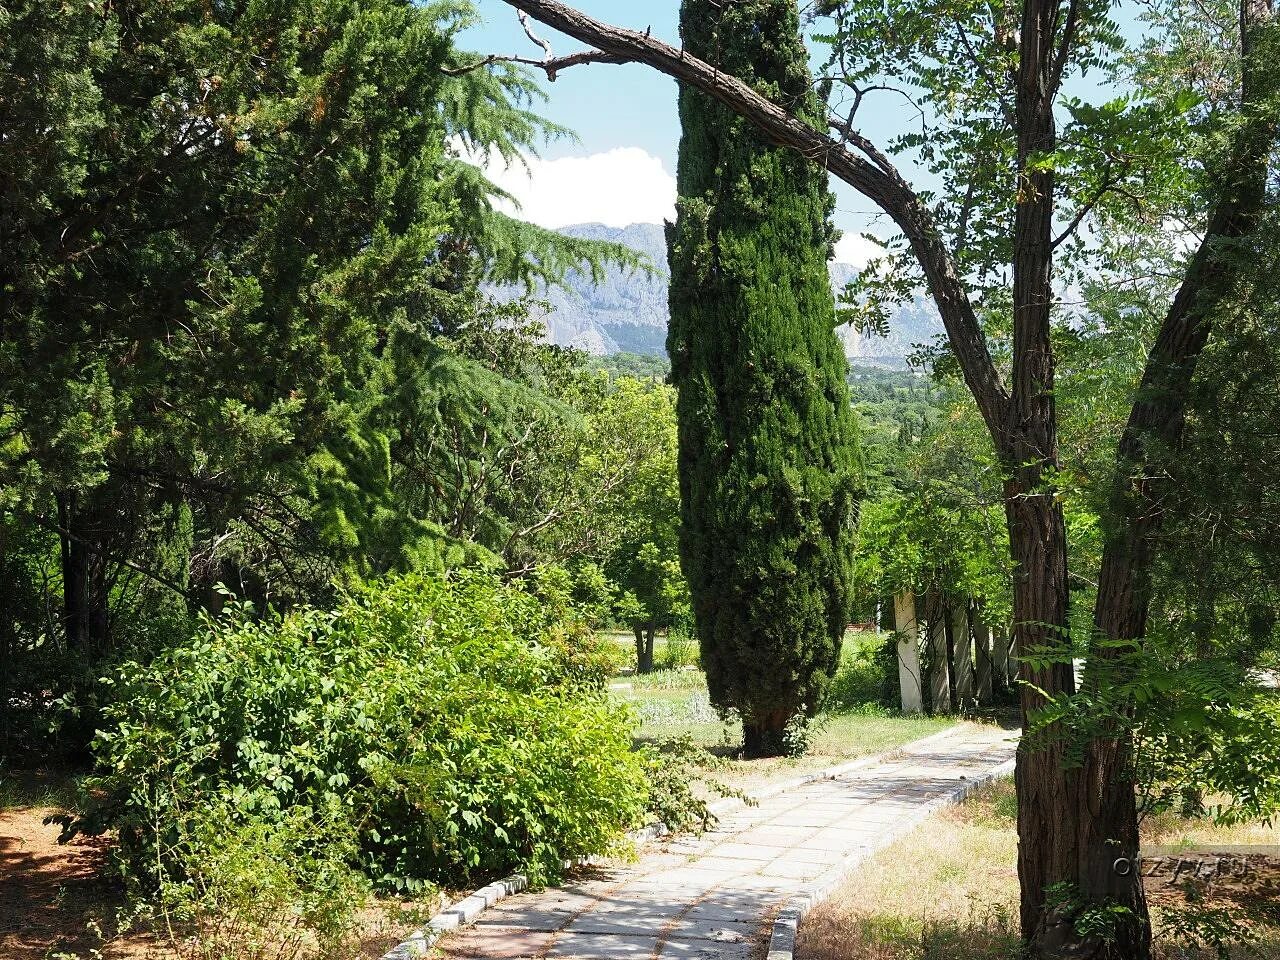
pixel 1077 825
pixel 644 647
pixel 982 658
pixel 962 649
pixel 74 579
pixel 765 736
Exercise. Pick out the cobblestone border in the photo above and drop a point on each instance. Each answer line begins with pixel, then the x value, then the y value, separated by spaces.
pixel 466 910
pixel 782 934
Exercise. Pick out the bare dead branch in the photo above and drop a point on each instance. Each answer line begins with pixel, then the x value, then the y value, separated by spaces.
pixel 551 67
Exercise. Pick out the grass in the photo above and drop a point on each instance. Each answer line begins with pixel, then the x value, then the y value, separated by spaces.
pixel 674 703
pixel 38 789
pixel 949 890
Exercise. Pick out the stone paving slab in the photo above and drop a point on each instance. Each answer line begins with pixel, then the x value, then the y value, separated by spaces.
pixel 713 896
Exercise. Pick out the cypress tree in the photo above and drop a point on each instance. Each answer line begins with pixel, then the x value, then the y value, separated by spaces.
pixel 769 477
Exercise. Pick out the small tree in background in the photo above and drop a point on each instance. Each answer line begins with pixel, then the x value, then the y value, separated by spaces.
pixel 768 453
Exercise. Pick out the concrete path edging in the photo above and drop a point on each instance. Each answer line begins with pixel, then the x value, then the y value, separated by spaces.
pixel 466 910
pixel 786 926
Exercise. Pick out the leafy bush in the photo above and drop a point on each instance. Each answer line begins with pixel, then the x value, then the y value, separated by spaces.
pixel 261 888
pixel 456 722
pixel 860 679
pixel 681 648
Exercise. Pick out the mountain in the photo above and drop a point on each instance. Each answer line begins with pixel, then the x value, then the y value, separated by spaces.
pixel 627 311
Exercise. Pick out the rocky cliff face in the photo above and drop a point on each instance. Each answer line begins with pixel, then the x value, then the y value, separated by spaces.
pixel 627 312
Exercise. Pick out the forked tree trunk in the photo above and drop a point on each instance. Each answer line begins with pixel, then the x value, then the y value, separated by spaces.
pixel 644 647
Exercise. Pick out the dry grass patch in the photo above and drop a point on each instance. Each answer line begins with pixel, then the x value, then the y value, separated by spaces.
pixel 946 890
pixel 949 891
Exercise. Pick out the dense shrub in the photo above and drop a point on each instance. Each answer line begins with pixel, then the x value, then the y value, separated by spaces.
pixel 455 721
pixel 260 888
pixel 862 678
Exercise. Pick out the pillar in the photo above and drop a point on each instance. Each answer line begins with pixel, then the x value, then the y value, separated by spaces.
pixel 939 674
pixel 908 629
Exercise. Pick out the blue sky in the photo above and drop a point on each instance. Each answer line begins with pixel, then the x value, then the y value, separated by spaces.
pixel 621 168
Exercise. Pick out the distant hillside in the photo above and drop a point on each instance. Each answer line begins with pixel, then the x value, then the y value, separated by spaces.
pixel 627 312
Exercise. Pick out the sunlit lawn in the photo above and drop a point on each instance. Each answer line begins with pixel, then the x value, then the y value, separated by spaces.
pixel 674 703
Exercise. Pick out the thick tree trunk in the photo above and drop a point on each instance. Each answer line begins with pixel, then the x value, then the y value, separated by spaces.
pixel 644 647
pixel 1077 825
pixel 765 736
pixel 85 600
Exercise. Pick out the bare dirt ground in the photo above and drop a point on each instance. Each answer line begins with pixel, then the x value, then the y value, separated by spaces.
pixel 59 900
pixel 56 898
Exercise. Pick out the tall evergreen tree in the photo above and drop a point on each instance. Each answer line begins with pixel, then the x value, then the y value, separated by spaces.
pixel 768 449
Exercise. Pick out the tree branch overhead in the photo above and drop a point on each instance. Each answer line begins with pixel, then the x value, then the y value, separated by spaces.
pixel 884 187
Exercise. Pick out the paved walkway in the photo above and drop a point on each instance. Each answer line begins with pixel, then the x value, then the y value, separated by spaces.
pixel 715 895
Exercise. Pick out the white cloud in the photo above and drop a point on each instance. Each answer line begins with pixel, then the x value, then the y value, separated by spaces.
pixel 853 248
pixel 622 186
pixel 619 187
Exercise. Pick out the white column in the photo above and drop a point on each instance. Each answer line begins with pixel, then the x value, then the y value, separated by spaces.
pixel 908 629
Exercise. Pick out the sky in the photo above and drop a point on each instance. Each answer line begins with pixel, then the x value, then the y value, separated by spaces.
pixel 620 169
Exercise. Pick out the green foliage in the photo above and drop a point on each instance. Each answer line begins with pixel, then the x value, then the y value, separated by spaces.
pixel 447 720
pixel 242 334
pixel 863 676
pixel 676 766
pixel 252 887
pixel 642 366
pixel 768 449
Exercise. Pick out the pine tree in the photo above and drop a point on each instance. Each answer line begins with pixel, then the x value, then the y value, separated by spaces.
pixel 768 445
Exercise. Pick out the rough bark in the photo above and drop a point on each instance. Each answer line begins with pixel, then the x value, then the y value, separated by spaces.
pixel 644 647
pixel 939 655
